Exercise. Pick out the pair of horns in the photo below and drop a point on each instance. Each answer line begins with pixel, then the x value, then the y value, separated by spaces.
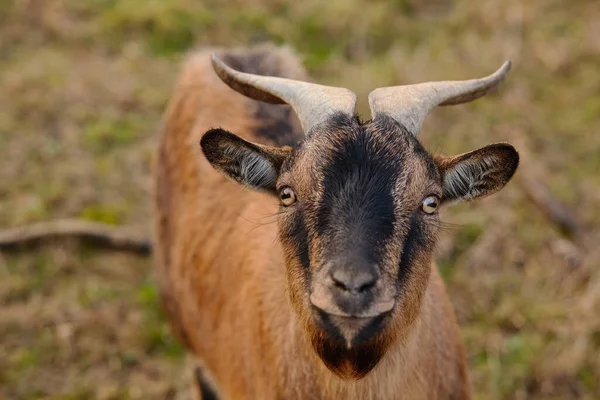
pixel 315 104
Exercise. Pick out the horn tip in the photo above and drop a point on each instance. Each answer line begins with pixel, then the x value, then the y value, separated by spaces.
pixel 223 70
pixel 216 61
pixel 505 68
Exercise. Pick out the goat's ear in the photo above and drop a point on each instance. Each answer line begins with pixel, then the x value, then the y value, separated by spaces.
pixel 250 164
pixel 477 173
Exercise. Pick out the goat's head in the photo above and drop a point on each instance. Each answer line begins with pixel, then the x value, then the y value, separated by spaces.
pixel 359 203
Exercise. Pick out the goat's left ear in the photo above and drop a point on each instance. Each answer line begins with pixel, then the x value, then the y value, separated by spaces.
pixel 250 164
pixel 477 173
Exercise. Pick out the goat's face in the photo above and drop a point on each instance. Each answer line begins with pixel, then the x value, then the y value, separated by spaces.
pixel 358 224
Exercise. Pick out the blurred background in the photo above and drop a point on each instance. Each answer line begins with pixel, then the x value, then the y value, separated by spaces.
pixel 83 85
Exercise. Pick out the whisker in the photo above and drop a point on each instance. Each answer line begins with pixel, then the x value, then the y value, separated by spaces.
pixel 260 225
pixel 449 227
pixel 262 221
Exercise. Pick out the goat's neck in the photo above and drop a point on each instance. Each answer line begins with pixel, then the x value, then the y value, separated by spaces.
pixel 397 369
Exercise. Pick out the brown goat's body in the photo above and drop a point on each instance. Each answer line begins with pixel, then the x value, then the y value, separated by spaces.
pixel 221 271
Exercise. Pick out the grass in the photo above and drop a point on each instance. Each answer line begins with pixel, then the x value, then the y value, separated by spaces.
pixel 84 85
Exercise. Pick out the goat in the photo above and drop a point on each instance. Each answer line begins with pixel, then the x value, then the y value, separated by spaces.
pixel 340 298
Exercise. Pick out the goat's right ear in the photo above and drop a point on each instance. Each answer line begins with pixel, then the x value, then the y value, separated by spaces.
pixel 250 164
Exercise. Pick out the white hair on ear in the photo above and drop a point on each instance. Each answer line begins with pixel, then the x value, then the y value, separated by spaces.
pixel 464 180
pixel 257 171
pixel 253 169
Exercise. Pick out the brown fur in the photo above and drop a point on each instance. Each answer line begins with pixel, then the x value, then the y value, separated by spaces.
pixel 222 275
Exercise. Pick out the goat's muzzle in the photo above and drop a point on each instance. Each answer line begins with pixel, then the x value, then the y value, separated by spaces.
pixel 349 299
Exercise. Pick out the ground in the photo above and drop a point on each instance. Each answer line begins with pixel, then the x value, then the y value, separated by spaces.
pixel 83 88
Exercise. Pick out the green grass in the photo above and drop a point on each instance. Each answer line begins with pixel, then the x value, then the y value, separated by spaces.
pixel 157 339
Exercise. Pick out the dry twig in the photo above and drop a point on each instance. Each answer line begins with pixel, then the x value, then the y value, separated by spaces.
pixel 530 177
pixel 97 233
pixel 554 210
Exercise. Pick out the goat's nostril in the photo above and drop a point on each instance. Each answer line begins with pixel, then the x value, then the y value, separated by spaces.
pixel 367 285
pixel 338 283
pixel 353 281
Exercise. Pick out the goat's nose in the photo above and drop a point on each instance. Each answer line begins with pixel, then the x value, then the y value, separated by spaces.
pixel 354 280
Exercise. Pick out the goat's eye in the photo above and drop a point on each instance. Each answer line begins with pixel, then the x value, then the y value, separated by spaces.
pixel 287 196
pixel 430 204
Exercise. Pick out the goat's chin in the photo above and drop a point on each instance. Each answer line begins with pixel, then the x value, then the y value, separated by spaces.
pixel 349 348
pixel 349 363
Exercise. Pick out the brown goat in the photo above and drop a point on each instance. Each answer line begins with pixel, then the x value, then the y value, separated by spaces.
pixel 320 283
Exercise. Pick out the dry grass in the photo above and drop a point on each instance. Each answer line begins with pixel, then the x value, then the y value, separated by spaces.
pixel 83 88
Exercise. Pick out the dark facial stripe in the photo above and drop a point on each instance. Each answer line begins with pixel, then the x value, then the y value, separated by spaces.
pixel 357 207
pixel 297 236
pixel 416 241
pixel 432 169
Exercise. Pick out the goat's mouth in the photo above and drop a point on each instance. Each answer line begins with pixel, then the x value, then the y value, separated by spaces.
pixel 349 330
pixel 349 309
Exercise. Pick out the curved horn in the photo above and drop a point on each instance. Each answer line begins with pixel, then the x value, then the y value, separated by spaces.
pixel 312 103
pixel 410 104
